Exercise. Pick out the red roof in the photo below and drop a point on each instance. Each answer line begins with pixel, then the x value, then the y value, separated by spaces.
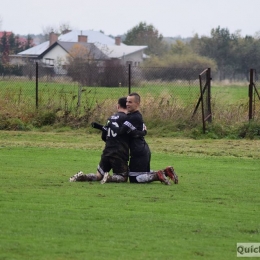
pixel 21 40
pixel 7 34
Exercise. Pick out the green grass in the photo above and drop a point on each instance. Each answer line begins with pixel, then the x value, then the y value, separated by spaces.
pixel 66 94
pixel 43 216
pixel 60 90
pixel 232 94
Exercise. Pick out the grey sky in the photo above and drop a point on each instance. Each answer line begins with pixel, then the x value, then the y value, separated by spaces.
pixel 171 17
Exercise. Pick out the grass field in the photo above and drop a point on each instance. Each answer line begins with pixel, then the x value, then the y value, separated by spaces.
pixel 58 92
pixel 67 93
pixel 43 216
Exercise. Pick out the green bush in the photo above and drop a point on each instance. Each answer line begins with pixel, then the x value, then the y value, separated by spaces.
pixel 250 130
pixel 44 119
pixel 13 124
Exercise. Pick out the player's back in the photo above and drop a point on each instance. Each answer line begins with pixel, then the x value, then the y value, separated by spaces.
pixel 117 145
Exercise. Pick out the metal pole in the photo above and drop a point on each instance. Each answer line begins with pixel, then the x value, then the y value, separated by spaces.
pixel 250 94
pixel 129 78
pixel 209 95
pixel 202 106
pixel 36 84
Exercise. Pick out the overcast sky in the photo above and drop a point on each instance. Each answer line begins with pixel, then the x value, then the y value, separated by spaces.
pixel 171 17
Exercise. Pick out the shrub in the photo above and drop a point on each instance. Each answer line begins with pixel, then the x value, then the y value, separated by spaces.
pixel 13 124
pixel 249 130
pixel 43 119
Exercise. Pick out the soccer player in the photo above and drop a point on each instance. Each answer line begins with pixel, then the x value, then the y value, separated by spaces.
pixel 140 154
pixel 115 155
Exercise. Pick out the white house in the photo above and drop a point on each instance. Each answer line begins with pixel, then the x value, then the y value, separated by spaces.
pixel 55 51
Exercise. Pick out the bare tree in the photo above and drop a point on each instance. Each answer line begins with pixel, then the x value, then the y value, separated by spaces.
pixel 90 66
pixel 63 27
pixel 80 63
pixel 47 30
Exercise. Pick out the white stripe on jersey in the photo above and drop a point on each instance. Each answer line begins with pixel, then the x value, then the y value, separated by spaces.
pixel 128 124
pixel 114 117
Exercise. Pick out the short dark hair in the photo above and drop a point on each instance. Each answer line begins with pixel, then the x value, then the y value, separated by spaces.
pixel 137 97
pixel 122 102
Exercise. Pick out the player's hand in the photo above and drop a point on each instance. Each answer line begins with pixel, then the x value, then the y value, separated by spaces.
pixel 96 125
pixel 93 124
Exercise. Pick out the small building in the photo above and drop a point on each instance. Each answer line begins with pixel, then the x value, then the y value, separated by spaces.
pixel 54 53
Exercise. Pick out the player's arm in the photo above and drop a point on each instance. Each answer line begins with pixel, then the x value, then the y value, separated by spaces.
pixel 127 128
pixel 104 135
pixel 137 133
pixel 98 126
pixel 102 128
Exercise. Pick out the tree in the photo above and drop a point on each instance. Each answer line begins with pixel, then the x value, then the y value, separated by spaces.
pixel 63 27
pixel 144 34
pixel 220 47
pixel 29 42
pixel 12 44
pixel 180 62
pixel 232 53
pixel 180 55
pixel 47 30
pixel 4 48
pixel 176 66
pixel 180 48
pixel 81 62
pixel 91 66
pixel 248 54
pixel 189 60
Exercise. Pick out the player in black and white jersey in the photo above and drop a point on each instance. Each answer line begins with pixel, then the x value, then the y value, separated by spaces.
pixel 140 154
pixel 115 155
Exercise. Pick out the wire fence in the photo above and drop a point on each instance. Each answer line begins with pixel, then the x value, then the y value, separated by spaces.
pixel 92 92
pixel 88 92
pixel 254 94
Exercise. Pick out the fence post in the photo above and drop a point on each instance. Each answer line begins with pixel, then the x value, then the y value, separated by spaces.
pixel 250 94
pixel 129 78
pixel 79 94
pixel 209 95
pixel 202 105
pixel 36 84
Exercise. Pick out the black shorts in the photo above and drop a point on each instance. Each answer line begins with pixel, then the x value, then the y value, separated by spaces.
pixel 133 179
pixel 140 163
pixel 119 166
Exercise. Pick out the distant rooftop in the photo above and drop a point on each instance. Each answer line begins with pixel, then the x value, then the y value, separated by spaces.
pixel 105 43
pixel 93 37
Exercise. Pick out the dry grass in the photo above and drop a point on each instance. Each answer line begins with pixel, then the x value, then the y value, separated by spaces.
pixel 162 109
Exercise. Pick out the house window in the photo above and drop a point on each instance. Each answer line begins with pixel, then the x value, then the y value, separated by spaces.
pixel 49 62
